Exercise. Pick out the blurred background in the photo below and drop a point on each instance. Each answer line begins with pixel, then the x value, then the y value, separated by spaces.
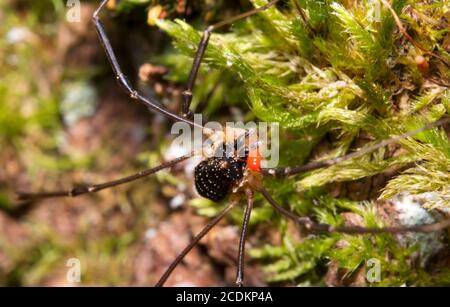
pixel 64 121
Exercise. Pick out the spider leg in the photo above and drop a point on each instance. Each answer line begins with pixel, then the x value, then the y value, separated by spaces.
pixel 247 213
pixel 289 171
pixel 122 79
pixel 187 94
pixel 194 241
pixel 97 187
pixel 311 226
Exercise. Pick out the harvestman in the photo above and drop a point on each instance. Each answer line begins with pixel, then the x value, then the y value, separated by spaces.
pixel 235 176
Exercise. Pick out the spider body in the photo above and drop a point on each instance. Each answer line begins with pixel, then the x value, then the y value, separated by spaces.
pixel 214 176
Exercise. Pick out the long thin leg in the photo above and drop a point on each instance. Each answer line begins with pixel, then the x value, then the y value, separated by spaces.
pixel 187 94
pixel 324 228
pixel 247 213
pixel 97 187
pixel 288 171
pixel 194 241
pixel 122 79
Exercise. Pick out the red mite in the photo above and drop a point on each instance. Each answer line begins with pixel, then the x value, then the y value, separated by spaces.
pixel 254 161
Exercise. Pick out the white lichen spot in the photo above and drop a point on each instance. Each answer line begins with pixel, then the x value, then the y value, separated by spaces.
pixel 18 35
pixel 436 200
pixel 410 212
pixel 177 201
pixel 150 234
pixel 79 100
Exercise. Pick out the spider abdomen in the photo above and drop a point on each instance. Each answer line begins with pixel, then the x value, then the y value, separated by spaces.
pixel 214 177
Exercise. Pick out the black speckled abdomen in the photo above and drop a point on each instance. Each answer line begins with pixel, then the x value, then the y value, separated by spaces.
pixel 214 177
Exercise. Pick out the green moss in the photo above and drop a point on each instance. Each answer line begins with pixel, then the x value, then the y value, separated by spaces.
pixel 336 72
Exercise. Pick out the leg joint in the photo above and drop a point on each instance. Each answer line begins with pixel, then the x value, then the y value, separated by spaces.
pixel 187 93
